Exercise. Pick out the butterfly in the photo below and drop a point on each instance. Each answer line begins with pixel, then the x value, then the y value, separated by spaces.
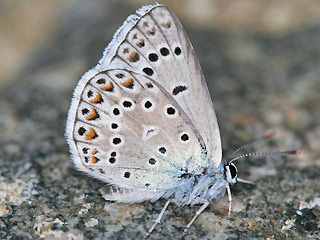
pixel 142 119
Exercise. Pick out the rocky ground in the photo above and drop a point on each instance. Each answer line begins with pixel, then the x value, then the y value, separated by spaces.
pixel 261 79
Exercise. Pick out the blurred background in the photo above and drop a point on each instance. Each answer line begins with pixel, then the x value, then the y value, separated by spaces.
pixel 27 25
pixel 261 60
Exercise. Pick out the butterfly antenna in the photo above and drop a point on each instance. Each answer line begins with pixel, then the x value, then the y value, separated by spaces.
pixel 268 136
pixel 266 154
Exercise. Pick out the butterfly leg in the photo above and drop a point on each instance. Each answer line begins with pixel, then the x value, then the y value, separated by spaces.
pixel 157 220
pixel 203 207
pixel 244 181
pixel 229 198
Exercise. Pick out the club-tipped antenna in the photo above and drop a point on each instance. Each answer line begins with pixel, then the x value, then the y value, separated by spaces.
pixel 267 136
pixel 266 154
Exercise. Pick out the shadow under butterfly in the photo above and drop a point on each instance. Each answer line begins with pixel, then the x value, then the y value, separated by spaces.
pixel 143 121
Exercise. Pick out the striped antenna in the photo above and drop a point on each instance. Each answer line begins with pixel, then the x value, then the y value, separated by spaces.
pixel 267 136
pixel 266 154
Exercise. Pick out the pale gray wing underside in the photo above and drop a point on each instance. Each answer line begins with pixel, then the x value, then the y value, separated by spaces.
pixel 143 116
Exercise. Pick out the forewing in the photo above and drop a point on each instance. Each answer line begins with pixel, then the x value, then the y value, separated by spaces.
pixel 156 46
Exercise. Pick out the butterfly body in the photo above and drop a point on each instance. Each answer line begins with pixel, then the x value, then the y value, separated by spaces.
pixel 187 191
pixel 197 188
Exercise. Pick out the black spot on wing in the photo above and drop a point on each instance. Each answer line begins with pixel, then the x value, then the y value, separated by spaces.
pixel 178 89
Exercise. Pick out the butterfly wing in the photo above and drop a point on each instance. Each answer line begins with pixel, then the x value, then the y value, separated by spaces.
pixel 143 116
pixel 158 46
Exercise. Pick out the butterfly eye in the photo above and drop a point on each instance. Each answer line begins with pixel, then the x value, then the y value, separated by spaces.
pixel 233 170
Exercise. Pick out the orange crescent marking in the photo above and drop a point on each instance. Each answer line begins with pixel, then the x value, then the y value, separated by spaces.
pixel 93 160
pixel 127 83
pixel 93 115
pixel 91 134
pixel 107 87
pixel 94 152
pixel 134 57
pixel 97 99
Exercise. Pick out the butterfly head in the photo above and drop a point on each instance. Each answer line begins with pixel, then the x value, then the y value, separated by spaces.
pixel 230 172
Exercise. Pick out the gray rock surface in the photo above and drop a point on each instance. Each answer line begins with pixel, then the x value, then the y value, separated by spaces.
pixel 259 81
